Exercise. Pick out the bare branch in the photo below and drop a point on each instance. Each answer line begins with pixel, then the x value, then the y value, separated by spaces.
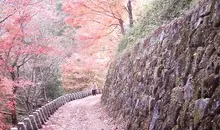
pixel 36 2
pixel 124 7
pixel 6 113
pixel 100 12
pixel 25 60
pixel 110 31
pixel 1 21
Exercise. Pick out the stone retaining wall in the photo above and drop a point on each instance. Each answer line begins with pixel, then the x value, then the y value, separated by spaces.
pixel 170 80
pixel 41 115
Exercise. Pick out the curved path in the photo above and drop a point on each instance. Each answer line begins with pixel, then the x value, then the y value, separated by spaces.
pixel 81 114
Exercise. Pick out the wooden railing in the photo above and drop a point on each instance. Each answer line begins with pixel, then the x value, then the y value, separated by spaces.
pixel 41 115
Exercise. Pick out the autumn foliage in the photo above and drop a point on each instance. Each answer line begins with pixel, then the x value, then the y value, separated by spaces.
pixel 41 39
pixel 96 18
pixel 17 47
pixel 99 24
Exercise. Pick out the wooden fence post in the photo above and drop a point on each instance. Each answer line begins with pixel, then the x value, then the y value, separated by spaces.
pixel 41 115
pixel 21 126
pixel 33 122
pixel 28 124
pixel 38 120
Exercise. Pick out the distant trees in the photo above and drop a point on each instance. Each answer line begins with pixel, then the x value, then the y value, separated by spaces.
pixel 15 51
pixel 99 26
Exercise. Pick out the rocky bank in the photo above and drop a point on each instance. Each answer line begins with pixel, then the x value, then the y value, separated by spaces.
pixel 170 80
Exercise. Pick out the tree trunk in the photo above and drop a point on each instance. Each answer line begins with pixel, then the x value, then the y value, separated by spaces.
pixel 29 106
pixel 44 93
pixel 129 6
pixel 121 23
pixel 13 111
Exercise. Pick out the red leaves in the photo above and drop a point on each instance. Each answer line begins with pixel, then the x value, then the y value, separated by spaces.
pixel 94 16
pixel 81 37
pixel 72 21
pixel 6 84
pixel 35 49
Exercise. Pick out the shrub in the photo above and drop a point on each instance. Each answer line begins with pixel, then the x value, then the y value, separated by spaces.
pixel 155 14
pixel 54 88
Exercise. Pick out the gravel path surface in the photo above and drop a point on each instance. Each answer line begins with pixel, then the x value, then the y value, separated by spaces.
pixel 81 114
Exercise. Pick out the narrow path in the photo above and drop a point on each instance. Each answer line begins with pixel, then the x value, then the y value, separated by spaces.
pixel 81 114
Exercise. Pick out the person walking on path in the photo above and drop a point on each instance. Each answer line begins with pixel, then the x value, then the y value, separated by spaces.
pixel 94 87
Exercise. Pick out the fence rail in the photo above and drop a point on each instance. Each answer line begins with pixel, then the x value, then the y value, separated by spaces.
pixel 41 115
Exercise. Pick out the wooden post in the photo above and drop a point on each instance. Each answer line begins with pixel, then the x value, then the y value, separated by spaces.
pixel 43 114
pixel 28 124
pixel 21 126
pixel 50 108
pixel 53 106
pixel 63 100
pixel 41 117
pixel 47 109
pixel 33 122
pixel 81 95
pixel 66 98
pixel 73 97
pixel 38 120
pixel 77 95
pixel 56 104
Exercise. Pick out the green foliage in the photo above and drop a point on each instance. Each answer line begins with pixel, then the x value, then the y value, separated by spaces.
pixel 54 88
pixel 156 13
pixel 60 32
pixel 74 90
pixel 59 6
